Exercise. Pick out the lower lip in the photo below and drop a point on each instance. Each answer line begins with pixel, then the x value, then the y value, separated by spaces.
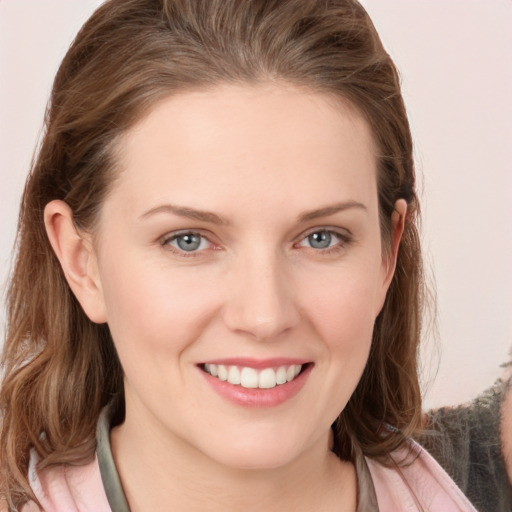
pixel 255 397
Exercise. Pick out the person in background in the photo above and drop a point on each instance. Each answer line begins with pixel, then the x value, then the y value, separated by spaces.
pixel 473 443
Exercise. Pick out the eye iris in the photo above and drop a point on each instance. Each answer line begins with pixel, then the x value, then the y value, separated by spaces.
pixel 320 240
pixel 188 242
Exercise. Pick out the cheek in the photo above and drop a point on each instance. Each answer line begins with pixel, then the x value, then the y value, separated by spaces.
pixel 342 316
pixel 152 310
pixel 346 326
pixel 344 310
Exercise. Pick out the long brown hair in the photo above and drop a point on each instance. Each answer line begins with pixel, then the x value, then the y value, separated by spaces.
pixel 59 368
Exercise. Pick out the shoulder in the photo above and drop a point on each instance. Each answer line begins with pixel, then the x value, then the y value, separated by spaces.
pixel 67 488
pixel 465 440
pixel 413 481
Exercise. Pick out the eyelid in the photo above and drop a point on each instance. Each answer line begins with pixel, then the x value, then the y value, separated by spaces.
pixel 341 232
pixel 165 240
pixel 344 235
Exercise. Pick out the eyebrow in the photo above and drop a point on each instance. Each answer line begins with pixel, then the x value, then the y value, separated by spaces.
pixel 326 211
pixel 189 213
pixel 213 218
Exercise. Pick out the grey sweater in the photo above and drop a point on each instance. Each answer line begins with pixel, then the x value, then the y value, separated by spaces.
pixel 465 440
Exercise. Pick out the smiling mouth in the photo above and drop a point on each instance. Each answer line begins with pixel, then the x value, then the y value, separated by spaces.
pixel 251 378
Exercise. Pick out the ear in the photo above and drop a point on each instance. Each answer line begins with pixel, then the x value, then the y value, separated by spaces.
pixel 77 259
pixel 391 254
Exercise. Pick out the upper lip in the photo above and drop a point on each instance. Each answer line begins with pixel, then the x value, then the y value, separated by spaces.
pixel 257 363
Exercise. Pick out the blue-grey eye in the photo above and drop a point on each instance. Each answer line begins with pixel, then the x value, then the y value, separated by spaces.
pixel 323 239
pixel 320 239
pixel 188 242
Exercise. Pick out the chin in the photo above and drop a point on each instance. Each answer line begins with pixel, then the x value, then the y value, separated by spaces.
pixel 258 452
pixel 257 460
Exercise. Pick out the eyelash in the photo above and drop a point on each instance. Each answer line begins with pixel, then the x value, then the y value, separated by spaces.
pixel 344 240
pixel 167 239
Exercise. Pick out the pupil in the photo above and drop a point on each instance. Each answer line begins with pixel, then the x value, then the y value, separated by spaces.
pixel 188 242
pixel 320 240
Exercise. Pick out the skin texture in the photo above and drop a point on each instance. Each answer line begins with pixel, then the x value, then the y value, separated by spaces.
pixel 260 160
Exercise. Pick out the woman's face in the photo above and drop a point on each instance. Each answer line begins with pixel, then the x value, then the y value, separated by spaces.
pixel 240 245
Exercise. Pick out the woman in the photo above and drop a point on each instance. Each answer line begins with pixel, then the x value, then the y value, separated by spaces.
pixel 216 301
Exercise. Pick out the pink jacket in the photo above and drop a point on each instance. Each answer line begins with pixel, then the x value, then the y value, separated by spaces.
pixel 420 486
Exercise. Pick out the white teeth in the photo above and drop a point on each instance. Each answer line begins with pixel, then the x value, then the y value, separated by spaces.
pixel 222 372
pixel 267 379
pixel 251 378
pixel 281 375
pixel 234 375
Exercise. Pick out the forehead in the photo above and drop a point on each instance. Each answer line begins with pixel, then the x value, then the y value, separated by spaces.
pixel 263 142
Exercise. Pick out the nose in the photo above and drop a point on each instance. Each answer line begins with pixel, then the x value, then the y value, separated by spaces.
pixel 261 303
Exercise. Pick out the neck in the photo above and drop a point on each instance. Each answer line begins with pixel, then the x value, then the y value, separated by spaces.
pixel 165 473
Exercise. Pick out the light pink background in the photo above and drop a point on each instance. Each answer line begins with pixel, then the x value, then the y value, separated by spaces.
pixel 456 65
